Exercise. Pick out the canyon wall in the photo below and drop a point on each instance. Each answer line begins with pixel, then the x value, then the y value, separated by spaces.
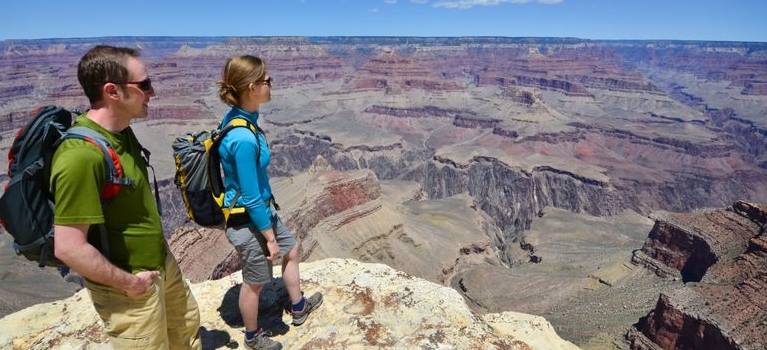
pixel 722 254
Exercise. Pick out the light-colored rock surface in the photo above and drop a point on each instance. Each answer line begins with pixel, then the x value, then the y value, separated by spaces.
pixel 367 306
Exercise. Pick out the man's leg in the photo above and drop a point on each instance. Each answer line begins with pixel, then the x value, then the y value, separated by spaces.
pixel 131 322
pixel 183 313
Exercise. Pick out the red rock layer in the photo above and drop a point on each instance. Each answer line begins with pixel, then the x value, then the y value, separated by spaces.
pixel 727 308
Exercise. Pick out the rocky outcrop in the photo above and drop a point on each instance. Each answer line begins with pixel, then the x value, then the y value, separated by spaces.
pixel 335 196
pixel 724 255
pixel 677 327
pixel 691 243
pixel 514 197
pixel 370 306
pixel 392 73
pixel 560 85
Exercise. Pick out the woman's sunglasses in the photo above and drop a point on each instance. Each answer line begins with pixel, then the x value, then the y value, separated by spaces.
pixel 267 81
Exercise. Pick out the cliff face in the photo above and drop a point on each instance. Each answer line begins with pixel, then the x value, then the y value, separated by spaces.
pixel 691 244
pixel 368 306
pixel 723 253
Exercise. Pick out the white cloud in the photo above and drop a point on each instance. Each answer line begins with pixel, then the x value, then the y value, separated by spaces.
pixel 466 4
pixel 390 1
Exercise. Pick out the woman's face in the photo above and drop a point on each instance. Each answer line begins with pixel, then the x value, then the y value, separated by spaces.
pixel 261 90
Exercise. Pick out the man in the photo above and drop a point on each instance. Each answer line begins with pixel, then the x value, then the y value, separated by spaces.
pixel 137 290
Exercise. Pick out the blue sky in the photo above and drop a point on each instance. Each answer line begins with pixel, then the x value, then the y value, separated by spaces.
pixel 729 20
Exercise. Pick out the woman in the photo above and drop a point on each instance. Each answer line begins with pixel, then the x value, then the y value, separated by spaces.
pixel 261 237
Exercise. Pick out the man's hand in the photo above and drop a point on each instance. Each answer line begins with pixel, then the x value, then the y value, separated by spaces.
pixel 143 281
pixel 72 248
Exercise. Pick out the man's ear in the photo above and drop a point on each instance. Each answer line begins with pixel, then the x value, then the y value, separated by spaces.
pixel 110 90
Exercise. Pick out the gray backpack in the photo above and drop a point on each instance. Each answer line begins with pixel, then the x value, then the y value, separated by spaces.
pixel 26 206
pixel 198 175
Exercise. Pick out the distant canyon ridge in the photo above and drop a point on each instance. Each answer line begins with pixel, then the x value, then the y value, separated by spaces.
pixel 486 136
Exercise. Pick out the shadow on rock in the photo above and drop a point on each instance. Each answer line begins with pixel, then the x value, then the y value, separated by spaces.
pixel 216 339
pixel 272 303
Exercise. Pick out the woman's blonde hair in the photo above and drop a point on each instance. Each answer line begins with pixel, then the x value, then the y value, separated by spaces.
pixel 237 74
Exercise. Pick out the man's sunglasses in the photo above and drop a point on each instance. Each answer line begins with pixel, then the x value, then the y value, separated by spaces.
pixel 145 85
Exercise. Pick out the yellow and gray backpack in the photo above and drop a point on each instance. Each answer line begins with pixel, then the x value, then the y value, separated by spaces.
pixel 198 174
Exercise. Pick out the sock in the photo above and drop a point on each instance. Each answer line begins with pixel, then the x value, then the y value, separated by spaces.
pixel 250 334
pixel 299 305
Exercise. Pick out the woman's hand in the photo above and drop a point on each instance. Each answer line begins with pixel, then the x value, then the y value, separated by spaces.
pixel 274 250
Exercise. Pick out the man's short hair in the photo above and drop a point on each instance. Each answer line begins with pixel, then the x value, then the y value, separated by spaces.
pixel 103 64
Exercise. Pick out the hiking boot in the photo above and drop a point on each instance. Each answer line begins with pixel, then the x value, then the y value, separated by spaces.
pixel 262 342
pixel 312 303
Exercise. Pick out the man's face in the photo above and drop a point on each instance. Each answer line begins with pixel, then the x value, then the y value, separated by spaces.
pixel 137 91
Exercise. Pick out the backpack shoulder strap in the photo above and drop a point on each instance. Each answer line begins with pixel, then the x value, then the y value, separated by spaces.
pixel 144 152
pixel 237 123
pixel 145 155
pixel 240 122
pixel 115 178
pixel 214 159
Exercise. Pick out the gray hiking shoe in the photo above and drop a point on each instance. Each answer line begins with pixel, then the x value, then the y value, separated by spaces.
pixel 262 342
pixel 312 303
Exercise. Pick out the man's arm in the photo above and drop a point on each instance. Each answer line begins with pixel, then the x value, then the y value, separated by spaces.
pixel 71 246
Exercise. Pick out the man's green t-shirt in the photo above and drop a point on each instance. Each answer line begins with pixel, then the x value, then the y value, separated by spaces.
pixel 136 240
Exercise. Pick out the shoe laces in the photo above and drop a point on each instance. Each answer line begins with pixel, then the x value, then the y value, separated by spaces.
pixel 264 332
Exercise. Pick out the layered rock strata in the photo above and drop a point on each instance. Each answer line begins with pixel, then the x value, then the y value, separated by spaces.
pixel 723 255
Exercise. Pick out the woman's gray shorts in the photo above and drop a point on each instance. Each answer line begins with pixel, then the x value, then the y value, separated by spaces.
pixel 250 244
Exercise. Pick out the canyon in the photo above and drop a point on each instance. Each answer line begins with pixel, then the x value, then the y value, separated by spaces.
pixel 561 177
